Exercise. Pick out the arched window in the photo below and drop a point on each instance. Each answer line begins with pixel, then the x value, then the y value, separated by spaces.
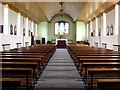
pixel 61 28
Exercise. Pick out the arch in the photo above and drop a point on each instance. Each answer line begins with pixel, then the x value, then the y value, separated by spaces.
pixel 66 15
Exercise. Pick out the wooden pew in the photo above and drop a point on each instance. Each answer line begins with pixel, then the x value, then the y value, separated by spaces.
pixel 78 58
pixel 38 60
pixel 25 62
pixel 87 65
pixel 19 71
pixel 102 71
pixel 42 50
pixel 80 62
pixel 24 56
pixel 10 82
pixel 102 60
pixel 33 77
pixel 17 59
pixel 89 51
pixel 41 57
pixel 32 65
pixel 20 53
pixel 113 84
pixel 27 53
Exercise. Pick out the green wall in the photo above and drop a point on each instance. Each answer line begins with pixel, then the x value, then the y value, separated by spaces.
pixel 42 31
pixel 80 31
pixel 51 33
pixel 46 30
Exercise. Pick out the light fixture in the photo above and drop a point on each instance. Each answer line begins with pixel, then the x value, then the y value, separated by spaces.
pixel 61 8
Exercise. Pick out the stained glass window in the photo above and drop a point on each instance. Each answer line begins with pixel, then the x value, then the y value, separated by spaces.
pixel 61 28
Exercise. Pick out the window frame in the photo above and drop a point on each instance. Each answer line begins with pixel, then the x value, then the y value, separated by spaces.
pixel 62 34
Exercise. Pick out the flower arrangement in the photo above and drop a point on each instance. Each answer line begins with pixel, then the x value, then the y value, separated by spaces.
pixel 61 36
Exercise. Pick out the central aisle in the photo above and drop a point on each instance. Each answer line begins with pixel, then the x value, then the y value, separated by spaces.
pixel 60 73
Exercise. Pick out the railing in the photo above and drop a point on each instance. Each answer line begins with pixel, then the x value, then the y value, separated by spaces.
pixel 6 47
pixel 104 45
pixel 96 44
pixel 18 45
pixel 26 44
pixel 116 47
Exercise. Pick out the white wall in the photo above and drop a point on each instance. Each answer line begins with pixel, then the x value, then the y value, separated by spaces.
pixel 10 39
pixel 93 40
pixel 12 19
pixel 1 14
pixel 1 22
pixel 100 24
pixel 109 40
pixel 21 25
pixel 119 21
pixel 13 39
pixel 34 29
pixel 88 31
pixel 29 27
pixel 110 19
pixel 119 27
pixel 94 26
pixel 27 39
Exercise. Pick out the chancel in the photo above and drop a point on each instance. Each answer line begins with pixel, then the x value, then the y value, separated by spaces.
pixel 60 45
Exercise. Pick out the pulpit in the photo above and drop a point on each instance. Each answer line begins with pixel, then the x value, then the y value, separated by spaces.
pixel 61 43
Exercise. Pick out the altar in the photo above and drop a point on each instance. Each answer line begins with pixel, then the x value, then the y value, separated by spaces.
pixel 61 43
pixel 62 40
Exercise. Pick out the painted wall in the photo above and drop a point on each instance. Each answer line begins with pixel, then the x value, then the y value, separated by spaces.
pixel 109 40
pixel 119 21
pixel 77 30
pixel 110 19
pixel 119 28
pixel 1 23
pixel 1 14
pixel 35 31
pixel 71 36
pixel 13 39
pixel 80 31
pixel 12 20
pixel 42 31
pixel 100 25
pixel 88 30
pixel 94 26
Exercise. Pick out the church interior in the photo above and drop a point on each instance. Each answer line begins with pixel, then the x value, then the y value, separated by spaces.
pixel 60 45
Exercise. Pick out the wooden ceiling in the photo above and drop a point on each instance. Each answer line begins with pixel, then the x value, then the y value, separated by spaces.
pixel 45 11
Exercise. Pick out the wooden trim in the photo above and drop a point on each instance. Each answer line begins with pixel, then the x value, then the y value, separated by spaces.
pixel 110 9
pixel 118 3
pixel 100 15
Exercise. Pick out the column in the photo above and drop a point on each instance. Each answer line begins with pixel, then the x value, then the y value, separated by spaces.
pixel 26 34
pixel 116 19
pixel 6 18
pixel 32 28
pixel 36 30
pixel 18 24
pixel 91 28
pixel 96 32
pixel 104 24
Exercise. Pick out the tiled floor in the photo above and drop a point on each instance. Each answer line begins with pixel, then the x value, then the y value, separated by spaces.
pixel 60 73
